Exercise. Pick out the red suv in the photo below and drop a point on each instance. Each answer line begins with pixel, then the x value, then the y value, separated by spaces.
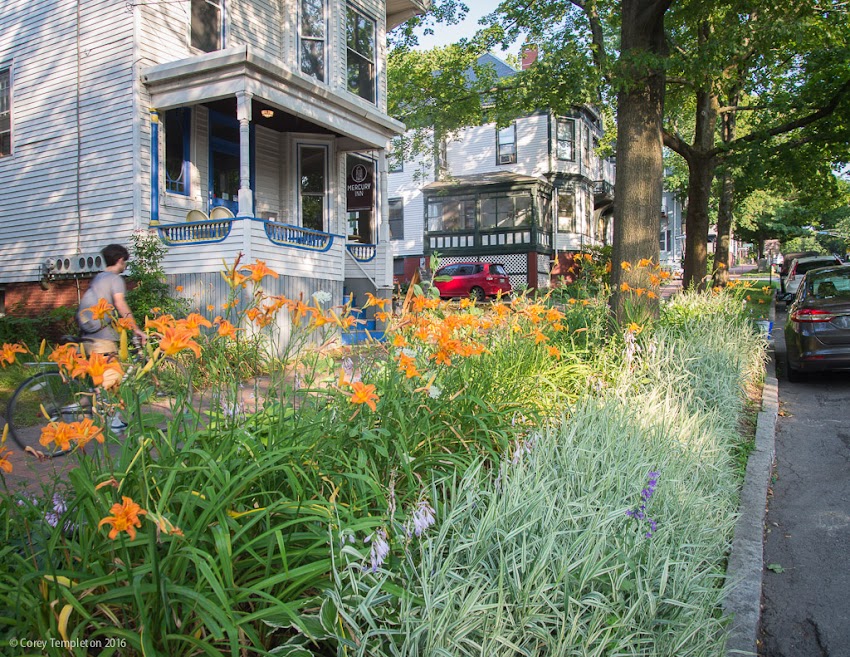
pixel 476 280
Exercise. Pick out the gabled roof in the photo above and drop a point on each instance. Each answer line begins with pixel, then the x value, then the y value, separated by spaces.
pixel 502 69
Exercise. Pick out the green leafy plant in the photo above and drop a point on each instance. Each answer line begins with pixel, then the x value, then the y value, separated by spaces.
pixel 149 289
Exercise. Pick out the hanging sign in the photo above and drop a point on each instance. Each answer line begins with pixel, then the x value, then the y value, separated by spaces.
pixel 360 186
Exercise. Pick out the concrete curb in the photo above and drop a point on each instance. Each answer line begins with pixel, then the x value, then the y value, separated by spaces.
pixel 742 599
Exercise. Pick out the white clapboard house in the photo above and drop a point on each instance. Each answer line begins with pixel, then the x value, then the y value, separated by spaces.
pixel 252 126
pixel 529 195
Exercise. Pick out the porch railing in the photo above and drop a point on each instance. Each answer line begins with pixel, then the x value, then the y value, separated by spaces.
pixel 298 237
pixel 195 232
pixel 513 239
pixel 362 252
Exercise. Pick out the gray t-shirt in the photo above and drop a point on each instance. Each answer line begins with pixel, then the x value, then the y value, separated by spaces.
pixel 103 286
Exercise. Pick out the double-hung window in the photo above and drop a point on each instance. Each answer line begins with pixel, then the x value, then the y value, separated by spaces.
pixel 177 142
pixel 506 145
pixel 207 26
pixel 566 212
pixel 312 38
pixel 361 54
pixel 312 171
pixel 5 112
pixel 396 219
pixel 566 138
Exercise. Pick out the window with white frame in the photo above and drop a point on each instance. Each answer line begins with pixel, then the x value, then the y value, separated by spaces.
pixel 586 147
pixel 177 143
pixel 5 111
pixel 566 139
pixel 312 173
pixel 361 54
pixel 566 212
pixel 506 144
pixel 206 25
pixel 312 38
pixel 396 219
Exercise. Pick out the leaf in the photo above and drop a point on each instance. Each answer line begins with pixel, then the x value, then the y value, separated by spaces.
pixel 775 567
pixel 328 616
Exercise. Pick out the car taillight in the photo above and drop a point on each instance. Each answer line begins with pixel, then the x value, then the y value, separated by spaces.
pixel 811 315
pixel 792 273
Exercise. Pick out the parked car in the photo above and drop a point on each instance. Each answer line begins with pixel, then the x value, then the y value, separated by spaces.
pixel 787 260
pixel 799 266
pixel 476 280
pixel 817 332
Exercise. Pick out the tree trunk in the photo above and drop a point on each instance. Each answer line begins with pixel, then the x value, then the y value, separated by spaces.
pixel 637 201
pixel 727 199
pixel 701 172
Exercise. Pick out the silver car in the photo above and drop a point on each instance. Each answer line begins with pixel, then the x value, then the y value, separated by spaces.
pixel 799 266
pixel 817 332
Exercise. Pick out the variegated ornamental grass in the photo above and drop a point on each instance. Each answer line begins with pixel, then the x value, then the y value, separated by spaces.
pixel 461 489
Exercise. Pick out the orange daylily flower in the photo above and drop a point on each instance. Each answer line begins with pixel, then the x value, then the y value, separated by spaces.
pixel 259 271
pixel 639 291
pixel 645 262
pixel 407 364
pixel 539 337
pixel 66 356
pixel 382 316
pixel 85 431
pixel 210 308
pixel 194 321
pixel 399 340
pixel 626 266
pixel 60 433
pixel 372 300
pixel 442 357
pixel 124 518
pixel 160 323
pixel 554 352
pixel 178 288
pixel 363 393
pixel 95 367
pixel 174 340
pixel 7 355
pixel 625 287
pixel 101 309
pixel 635 328
pixel 5 463
pixel 226 329
pixel 608 267
pixel 655 280
pixel 651 295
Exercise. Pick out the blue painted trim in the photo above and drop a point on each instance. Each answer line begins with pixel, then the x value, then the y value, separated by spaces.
pixel 154 167
pixel 353 247
pixel 194 226
pixel 306 235
pixel 229 148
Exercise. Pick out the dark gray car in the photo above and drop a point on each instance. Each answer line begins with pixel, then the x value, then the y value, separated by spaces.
pixel 817 333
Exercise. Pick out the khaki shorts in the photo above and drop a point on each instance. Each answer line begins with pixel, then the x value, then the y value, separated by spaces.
pixel 107 348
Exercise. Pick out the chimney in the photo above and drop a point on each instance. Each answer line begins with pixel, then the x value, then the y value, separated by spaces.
pixel 529 55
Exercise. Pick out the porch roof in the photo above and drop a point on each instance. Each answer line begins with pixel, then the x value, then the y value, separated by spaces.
pixel 224 73
pixel 399 11
pixel 490 179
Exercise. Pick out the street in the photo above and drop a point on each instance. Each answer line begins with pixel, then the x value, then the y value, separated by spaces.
pixel 807 542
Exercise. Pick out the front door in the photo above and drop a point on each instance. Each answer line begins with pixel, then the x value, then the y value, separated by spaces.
pixel 224 162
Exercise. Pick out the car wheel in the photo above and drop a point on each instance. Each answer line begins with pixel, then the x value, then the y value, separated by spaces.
pixel 794 375
pixel 477 294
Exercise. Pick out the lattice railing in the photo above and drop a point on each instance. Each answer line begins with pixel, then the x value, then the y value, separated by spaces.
pixel 362 252
pixel 195 232
pixel 298 237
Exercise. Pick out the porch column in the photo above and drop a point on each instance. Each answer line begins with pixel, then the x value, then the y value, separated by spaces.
pixel 154 220
pixel 243 113
pixel 383 243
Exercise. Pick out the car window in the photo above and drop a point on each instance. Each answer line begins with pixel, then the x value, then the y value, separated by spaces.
pixel 834 285
pixel 803 267
pixel 448 270
pixel 498 270
pixel 465 270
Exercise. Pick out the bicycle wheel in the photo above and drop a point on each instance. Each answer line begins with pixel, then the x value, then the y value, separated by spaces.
pixel 63 401
pixel 166 390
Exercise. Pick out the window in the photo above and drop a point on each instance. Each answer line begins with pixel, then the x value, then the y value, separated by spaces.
pixel 566 212
pixel 586 147
pixel 5 112
pixel 177 122
pixel 312 49
pixel 312 172
pixel 451 215
pixel 207 25
pixel 396 219
pixel 506 145
pixel 566 138
pixel 506 211
pixel 360 41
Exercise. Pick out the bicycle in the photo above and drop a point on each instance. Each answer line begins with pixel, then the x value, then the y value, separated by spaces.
pixel 49 396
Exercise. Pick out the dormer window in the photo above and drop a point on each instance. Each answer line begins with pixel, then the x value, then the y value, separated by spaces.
pixel 361 48
pixel 207 25
pixel 312 37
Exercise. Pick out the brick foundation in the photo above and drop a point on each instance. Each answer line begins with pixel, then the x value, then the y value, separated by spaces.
pixel 29 299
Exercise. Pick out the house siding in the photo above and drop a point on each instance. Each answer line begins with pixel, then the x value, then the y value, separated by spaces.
pixel 39 38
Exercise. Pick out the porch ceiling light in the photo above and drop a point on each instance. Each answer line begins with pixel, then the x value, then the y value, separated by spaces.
pixel 267 113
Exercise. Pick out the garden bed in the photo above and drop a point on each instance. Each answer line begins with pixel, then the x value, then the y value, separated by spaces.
pixel 510 478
